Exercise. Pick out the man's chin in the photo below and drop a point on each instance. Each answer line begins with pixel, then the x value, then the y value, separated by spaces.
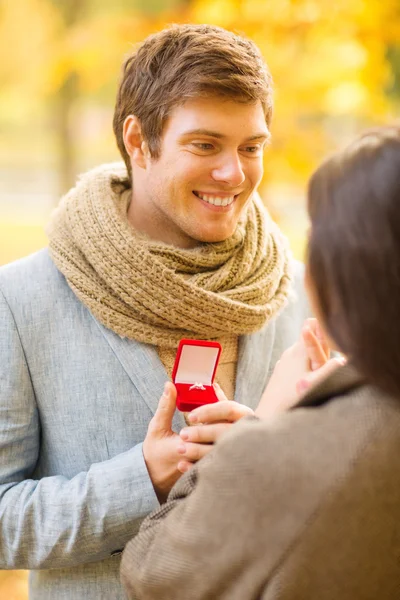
pixel 213 237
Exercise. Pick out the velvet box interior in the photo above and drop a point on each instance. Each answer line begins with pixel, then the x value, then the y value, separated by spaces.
pixel 194 371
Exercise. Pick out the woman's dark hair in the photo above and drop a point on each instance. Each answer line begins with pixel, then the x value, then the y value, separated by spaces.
pixel 354 253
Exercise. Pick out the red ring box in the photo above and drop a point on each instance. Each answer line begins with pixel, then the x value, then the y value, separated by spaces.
pixel 195 365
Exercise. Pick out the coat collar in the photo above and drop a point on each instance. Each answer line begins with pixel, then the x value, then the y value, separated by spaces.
pixel 344 379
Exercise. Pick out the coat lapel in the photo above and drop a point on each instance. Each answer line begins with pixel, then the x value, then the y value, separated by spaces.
pixel 253 368
pixel 144 368
pixel 147 373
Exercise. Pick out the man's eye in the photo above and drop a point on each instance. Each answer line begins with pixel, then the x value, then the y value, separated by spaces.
pixel 252 149
pixel 203 146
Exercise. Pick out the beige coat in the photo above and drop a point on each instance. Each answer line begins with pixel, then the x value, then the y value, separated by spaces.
pixel 305 507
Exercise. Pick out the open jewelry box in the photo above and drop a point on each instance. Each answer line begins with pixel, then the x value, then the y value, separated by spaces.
pixel 194 371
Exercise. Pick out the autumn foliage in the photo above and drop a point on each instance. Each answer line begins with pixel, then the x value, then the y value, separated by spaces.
pixel 336 67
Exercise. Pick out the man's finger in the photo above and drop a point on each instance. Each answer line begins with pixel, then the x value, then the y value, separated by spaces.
pixel 314 377
pixel 219 392
pixel 315 352
pixel 162 420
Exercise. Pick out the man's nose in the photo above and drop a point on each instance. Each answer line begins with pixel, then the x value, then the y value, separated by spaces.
pixel 229 171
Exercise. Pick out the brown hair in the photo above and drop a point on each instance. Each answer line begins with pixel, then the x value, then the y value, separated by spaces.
pixel 181 62
pixel 354 253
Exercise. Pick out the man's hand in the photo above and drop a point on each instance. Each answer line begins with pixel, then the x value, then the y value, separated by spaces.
pixel 209 423
pixel 160 447
pixel 166 456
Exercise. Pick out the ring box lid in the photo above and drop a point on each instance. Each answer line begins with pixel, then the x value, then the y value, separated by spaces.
pixel 196 362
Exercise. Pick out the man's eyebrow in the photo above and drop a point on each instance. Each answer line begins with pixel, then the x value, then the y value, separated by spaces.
pixel 259 136
pixel 215 134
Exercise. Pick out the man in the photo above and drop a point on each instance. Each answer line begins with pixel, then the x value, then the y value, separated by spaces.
pixel 173 244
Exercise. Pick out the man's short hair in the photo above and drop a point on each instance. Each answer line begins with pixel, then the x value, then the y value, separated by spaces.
pixel 183 62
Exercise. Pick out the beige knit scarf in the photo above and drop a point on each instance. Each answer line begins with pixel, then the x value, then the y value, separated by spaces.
pixel 156 293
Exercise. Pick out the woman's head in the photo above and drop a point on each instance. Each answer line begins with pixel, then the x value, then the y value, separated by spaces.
pixel 354 253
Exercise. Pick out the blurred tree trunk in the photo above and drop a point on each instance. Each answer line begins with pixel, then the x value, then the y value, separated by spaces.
pixel 66 99
pixel 65 102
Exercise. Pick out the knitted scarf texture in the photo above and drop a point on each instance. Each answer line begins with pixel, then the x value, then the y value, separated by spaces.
pixel 156 293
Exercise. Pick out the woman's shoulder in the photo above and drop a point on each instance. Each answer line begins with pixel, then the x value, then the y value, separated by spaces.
pixel 317 444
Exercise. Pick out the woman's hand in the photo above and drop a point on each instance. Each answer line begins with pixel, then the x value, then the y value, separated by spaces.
pixel 291 375
pixel 208 424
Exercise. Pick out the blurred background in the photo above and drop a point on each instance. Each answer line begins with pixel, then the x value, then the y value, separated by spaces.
pixel 336 67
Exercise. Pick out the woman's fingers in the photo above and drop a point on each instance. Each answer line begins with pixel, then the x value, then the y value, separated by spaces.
pixel 184 465
pixel 314 377
pixel 193 452
pixel 224 410
pixel 315 351
pixel 321 338
pixel 316 328
pixel 204 434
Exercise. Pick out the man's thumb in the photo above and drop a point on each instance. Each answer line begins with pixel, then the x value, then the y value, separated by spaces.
pixel 162 420
pixel 219 393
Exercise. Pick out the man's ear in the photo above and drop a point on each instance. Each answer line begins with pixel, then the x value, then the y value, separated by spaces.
pixel 135 145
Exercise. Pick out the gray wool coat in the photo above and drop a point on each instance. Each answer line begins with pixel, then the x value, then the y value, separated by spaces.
pixel 75 403
pixel 303 507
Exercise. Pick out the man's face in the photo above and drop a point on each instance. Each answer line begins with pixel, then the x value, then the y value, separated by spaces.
pixel 211 162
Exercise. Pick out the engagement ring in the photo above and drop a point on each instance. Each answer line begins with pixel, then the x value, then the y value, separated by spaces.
pixel 197 386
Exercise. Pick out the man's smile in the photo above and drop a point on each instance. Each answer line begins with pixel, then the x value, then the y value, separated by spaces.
pixel 219 199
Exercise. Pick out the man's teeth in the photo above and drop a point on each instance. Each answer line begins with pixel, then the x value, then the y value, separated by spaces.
pixel 216 200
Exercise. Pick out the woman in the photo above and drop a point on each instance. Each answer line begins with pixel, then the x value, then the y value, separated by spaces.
pixel 306 504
